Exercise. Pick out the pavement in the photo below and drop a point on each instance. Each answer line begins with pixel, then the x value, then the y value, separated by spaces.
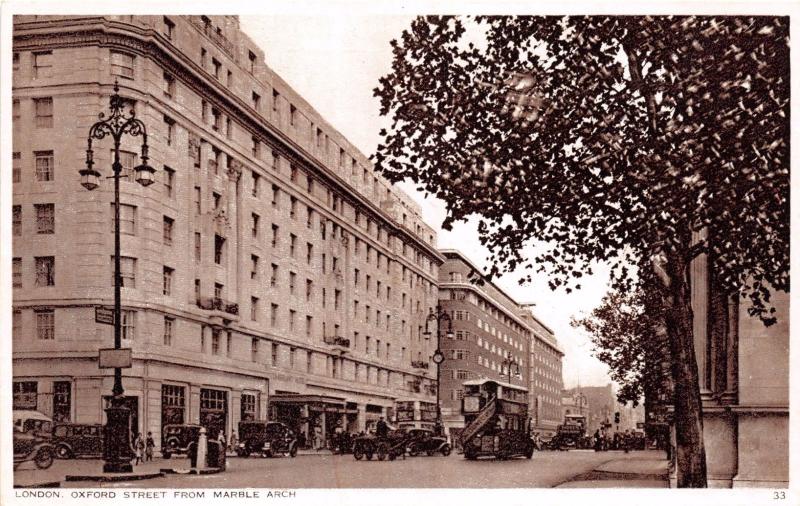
pixel 573 469
pixel 642 469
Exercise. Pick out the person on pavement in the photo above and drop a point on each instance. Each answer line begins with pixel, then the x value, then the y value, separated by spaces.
pixel 150 444
pixel 381 429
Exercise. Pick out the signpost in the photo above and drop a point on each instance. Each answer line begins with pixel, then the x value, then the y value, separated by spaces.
pixel 104 315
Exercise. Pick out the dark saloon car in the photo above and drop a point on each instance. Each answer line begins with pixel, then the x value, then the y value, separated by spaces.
pixel 266 438
pixel 73 440
pixel 177 438
pixel 425 441
pixel 29 446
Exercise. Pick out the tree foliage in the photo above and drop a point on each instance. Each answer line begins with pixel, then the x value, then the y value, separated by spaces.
pixel 637 132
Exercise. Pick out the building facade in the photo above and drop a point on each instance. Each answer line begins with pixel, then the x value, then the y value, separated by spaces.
pixel 269 259
pixel 546 379
pixel 489 337
pixel 743 370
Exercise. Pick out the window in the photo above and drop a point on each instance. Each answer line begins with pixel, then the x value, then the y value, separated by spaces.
pixel 309 253
pixel 254 349
pixel 197 289
pixel 169 181
pixel 45 218
pixel 292 279
pixel 275 196
pixel 274 354
pixel 253 266
pixel 203 57
pixel 168 225
pixel 274 235
pixel 169 27
pixel 337 297
pixel 218 288
pixel 229 80
pixel 16 273
pixel 128 320
pixel 43 109
pixel 127 272
pixel 217 123
pixel 44 165
pixel 256 150
pixel 254 308
pixel 293 173
pixel 15 61
pixel 122 64
pixel 254 224
pixel 197 208
pixel 15 114
pixel 256 101
pixel 292 207
pixel 16 220
pixel 169 85
pixel 219 248
pixel 169 127
pixel 292 114
pixel 275 99
pixel 256 184
pixel 292 317
pixel 215 340
pixel 45 271
pixel 292 353
pixel 292 244
pixel 43 64
pixel 45 324
pixel 309 289
pixel 309 218
pixel 204 110
pixel 168 324
pixel 273 280
pixel 168 272
pixel 310 184
pixel 217 67
pixel 273 315
pixel 229 132
pixel 276 161
pixel 252 57
pixel 309 325
pixel 128 161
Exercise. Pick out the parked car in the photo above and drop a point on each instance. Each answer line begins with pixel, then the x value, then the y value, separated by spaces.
pixel 72 440
pixel 425 441
pixel 177 438
pixel 32 446
pixel 266 438
pixel 33 422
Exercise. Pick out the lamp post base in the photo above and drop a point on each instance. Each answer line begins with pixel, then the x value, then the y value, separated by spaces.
pixel 117 451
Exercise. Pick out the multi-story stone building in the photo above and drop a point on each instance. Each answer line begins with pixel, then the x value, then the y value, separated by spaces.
pixel 269 265
pixel 546 380
pixel 490 339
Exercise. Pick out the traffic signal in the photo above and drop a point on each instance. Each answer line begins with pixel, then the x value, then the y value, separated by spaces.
pixel 616 417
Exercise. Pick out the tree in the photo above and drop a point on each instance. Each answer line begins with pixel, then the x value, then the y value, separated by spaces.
pixel 614 139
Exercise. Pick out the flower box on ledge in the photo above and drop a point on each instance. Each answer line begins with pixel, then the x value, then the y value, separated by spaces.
pixel 419 364
pixel 338 342
pixel 223 308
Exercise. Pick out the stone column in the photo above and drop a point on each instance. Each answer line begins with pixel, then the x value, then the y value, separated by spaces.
pixel 361 417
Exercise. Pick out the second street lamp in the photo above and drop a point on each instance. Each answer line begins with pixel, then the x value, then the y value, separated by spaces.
pixel 508 362
pixel 438 357
pixel 117 448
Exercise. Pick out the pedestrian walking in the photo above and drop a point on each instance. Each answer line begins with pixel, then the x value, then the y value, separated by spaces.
pixel 381 429
pixel 138 448
pixel 150 444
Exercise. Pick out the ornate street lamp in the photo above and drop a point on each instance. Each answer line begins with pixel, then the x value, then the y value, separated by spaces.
pixel 508 362
pixel 117 449
pixel 438 357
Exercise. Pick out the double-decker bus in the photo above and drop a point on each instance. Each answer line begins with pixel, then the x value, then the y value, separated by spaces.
pixel 415 414
pixel 496 420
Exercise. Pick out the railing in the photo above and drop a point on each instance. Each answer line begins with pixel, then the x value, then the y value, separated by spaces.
pixel 419 364
pixel 218 304
pixel 336 341
pixel 216 37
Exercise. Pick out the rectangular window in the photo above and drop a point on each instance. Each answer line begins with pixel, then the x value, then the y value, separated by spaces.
pixel 256 150
pixel 45 324
pixel 309 253
pixel 127 272
pixel 128 319
pixel 203 57
pixel 16 220
pixel 254 308
pixel 275 99
pixel 218 288
pixel 45 271
pixel 273 315
pixel 45 218
pixel 292 244
pixel 256 101
pixel 292 282
pixel 292 114
pixel 254 349
pixel 122 64
pixel 169 27
pixel 168 324
pixel 43 64
pixel 169 129
pixel 256 184
pixel 292 318
pixel 274 354
pixel 252 57
pixel 128 161
pixel 274 240
pixel 15 61
pixel 229 131
pixel 229 80
pixel 168 272
pixel 43 109
pixel 309 325
pixel 292 207
pixel 197 208
pixel 16 273
pixel 254 222
pixel 169 85
pixel 44 165
pixel 309 289
pixel 217 67
pixel 273 280
pixel 168 225
pixel 215 341
pixel 253 266
pixel 275 191
pixel 169 181
pixel 197 246
pixel 219 249
pixel 15 111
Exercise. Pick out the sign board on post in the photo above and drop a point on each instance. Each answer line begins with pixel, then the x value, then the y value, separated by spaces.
pixel 111 358
pixel 104 315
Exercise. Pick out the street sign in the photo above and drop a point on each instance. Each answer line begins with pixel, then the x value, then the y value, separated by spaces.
pixel 111 358
pixel 104 315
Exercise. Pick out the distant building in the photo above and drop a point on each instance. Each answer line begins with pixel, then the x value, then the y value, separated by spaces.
pixel 545 376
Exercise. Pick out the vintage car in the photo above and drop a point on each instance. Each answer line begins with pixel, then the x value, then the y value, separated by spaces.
pixel 266 438
pixel 177 438
pixel 32 446
pixel 77 440
pixel 392 446
pixel 425 441
pixel 32 422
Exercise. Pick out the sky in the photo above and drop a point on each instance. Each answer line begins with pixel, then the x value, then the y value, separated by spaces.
pixel 335 62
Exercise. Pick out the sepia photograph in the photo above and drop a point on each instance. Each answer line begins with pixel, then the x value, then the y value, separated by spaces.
pixel 411 251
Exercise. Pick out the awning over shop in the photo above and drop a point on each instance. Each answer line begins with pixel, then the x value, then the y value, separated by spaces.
pixel 313 402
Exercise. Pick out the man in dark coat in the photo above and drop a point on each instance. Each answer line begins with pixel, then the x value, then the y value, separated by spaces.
pixel 381 429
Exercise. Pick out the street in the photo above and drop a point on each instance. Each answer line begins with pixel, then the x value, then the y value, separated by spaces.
pixel 545 470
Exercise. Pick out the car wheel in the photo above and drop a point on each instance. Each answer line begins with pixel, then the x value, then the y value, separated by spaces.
pixel 358 453
pixel 529 452
pixel 470 455
pixel 446 450
pixel 383 451
pixel 293 451
pixel 63 452
pixel 43 458
pixel 369 454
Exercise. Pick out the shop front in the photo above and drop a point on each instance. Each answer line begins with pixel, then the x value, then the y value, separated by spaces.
pixel 314 418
